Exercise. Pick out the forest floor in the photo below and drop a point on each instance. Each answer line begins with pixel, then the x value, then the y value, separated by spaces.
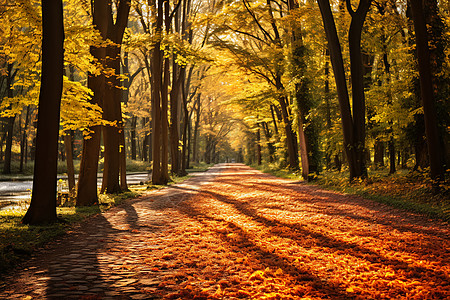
pixel 234 232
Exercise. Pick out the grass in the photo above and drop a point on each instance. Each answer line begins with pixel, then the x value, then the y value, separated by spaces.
pixel 412 191
pixel 18 241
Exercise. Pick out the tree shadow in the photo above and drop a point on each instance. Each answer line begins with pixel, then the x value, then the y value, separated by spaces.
pixel 241 242
pixel 307 238
pixel 328 202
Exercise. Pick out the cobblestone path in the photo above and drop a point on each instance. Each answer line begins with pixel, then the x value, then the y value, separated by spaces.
pixel 103 258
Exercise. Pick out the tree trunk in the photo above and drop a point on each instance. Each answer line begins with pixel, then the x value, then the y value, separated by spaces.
pixel 9 141
pixel 435 152
pixel 133 137
pixel 157 123
pixel 9 124
pixel 189 142
pixel 353 126
pixel 378 157
pixel 123 162
pixel 43 200
pixel 303 148
pixel 87 181
pixel 258 145
pixel 69 161
pixel 184 150
pixel 113 135
pixel 23 143
pixel 391 146
pixel 357 80
pixel 197 109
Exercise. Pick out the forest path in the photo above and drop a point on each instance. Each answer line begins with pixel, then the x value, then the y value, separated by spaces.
pixel 234 232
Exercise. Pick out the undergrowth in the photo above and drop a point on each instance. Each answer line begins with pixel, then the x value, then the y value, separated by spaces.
pixel 413 191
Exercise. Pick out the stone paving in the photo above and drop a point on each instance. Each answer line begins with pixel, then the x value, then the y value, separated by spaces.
pixel 103 257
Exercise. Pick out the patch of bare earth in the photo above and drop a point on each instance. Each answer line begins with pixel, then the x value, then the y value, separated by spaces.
pixel 250 235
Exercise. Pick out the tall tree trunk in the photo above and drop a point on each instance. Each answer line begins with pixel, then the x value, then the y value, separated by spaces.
pixel 69 161
pixel 197 109
pixel 189 142
pixel 68 145
pixel 435 152
pixel 308 136
pixel 111 136
pixel 23 143
pixel 9 142
pixel 186 122
pixel 328 151
pixel 43 200
pixel 378 157
pixel 9 124
pixel 156 78
pixel 87 181
pixel 291 139
pixel 114 135
pixel 357 80
pixel 353 126
pixel 133 137
pixel 391 146
pixel 258 145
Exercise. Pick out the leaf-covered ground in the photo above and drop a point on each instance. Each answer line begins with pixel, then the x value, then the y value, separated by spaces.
pixel 238 233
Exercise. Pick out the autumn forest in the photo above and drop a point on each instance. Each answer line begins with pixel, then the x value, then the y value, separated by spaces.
pixel 352 96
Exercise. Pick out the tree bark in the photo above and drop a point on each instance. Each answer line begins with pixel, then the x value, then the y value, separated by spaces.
pixel 353 126
pixel 133 137
pixel 435 152
pixel 43 200
pixel 197 109
pixel 9 124
pixel 156 78
pixel 69 162
pixel 258 145
pixel 23 152
pixel 87 181
pixel 357 80
pixel 113 136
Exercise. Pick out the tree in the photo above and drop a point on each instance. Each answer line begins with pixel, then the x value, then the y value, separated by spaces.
pixel 43 201
pixel 353 125
pixel 112 135
pixel 87 182
pixel 435 153
pixel 157 111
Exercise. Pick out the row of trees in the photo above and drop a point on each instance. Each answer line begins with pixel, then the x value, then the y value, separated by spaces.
pixel 381 54
pixel 151 75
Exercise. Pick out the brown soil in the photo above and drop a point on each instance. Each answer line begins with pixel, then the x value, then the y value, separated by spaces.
pixel 234 232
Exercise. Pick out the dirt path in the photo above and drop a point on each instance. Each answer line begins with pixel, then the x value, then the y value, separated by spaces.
pixel 234 232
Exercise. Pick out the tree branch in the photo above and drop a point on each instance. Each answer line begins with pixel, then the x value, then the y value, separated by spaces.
pixel 349 8
pixel 266 34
